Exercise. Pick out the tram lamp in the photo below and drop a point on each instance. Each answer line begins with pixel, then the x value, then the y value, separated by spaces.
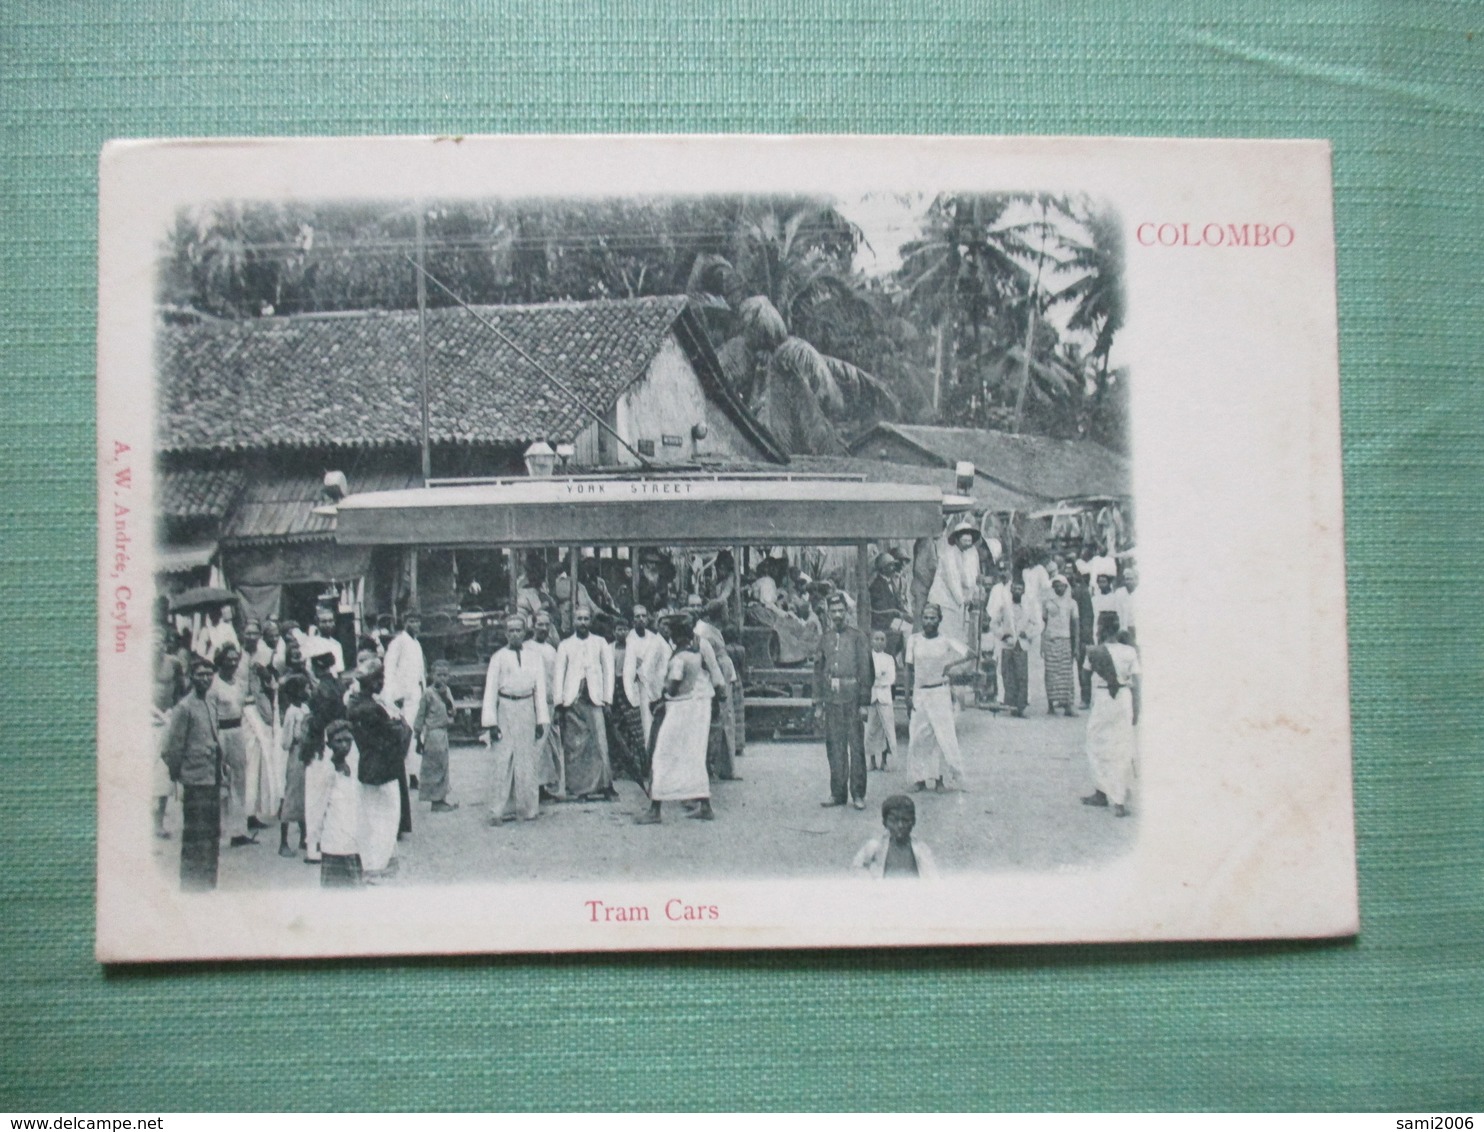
pixel 963 482
pixel 699 430
pixel 565 452
pixel 335 487
pixel 540 459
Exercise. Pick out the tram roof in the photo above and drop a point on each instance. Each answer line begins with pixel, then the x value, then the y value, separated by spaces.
pixel 681 510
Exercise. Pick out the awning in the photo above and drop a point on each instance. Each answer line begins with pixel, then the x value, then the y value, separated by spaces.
pixel 177 558
pixel 639 511
pixel 294 508
pixel 294 563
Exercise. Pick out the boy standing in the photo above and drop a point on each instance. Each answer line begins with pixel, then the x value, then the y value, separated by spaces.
pixel 340 853
pixel 896 854
pixel 881 719
pixel 430 727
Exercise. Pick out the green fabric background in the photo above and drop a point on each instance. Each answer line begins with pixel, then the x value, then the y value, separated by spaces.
pixel 1394 1020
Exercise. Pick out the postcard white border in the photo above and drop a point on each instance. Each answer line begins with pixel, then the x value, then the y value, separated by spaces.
pixel 1246 810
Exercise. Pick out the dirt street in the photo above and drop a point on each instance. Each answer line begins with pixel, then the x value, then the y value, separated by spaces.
pixel 1020 811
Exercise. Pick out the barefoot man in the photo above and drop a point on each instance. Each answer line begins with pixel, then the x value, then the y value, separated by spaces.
pixel 932 744
pixel 515 716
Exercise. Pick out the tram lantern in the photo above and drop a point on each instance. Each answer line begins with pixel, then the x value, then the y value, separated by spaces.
pixel 964 477
pixel 541 459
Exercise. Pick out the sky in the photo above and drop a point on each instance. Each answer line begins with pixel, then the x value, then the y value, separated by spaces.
pixel 888 220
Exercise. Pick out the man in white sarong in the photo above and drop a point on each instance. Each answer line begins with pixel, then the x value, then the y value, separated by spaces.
pixel 1111 748
pixel 265 763
pixel 228 697
pixel 584 689
pixel 326 705
pixel 406 681
pixel 679 764
pixel 515 715
pixel 1037 581
pixel 646 657
pixel 932 744
pixel 956 583
pixel 381 737
pixel 336 817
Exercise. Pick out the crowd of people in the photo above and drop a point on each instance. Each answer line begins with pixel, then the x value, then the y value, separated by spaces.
pixel 275 728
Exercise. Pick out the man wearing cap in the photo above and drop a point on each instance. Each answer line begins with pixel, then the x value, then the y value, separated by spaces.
pixel 1059 645
pixel 887 614
pixel 843 674
pixel 583 681
pixel 381 736
pixel 192 752
pixel 406 681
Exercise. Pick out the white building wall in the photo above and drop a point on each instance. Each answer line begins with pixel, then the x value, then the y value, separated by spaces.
pixel 667 401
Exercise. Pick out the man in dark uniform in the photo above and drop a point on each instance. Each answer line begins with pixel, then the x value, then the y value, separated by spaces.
pixel 842 690
pixel 193 753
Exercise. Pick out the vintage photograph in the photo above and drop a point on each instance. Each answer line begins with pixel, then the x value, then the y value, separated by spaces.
pixel 479 508
pixel 601 550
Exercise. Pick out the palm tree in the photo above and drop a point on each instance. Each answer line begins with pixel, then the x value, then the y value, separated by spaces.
pixel 966 266
pixel 789 279
pixel 1098 289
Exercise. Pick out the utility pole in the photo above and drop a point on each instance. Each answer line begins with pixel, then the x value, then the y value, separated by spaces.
pixel 1032 301
pixel 422 336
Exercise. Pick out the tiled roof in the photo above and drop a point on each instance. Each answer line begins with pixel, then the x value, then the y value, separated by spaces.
pixel 282 508
pixel 353 379
pixel 1039 466
pixel 188 494
pixel 987 495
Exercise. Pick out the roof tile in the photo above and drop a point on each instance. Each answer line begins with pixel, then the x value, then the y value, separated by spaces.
pixel 353 379
pixel 191 494
pixel 1040 466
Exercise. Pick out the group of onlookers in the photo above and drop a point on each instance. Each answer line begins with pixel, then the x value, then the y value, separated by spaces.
pixel 273 727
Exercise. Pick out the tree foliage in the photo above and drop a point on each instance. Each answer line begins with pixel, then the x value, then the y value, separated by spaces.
pixel 1003 313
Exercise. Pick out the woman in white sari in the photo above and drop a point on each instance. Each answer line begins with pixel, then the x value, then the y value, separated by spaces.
pixel 1110 727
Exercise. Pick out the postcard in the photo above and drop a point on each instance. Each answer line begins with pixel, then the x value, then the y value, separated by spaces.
pixel 623 543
